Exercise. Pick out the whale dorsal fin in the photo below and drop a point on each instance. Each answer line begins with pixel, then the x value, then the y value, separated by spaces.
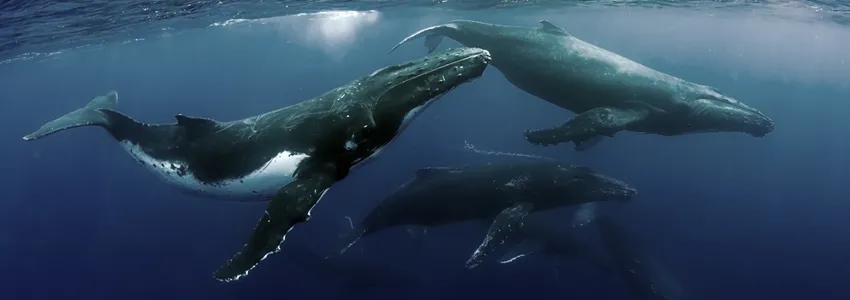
pixel 429 172
pixel 196 126
pixel 552 28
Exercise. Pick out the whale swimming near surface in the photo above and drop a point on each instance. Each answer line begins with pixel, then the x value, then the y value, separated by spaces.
pixel 501 193
pixel 292 155
pixel 607 92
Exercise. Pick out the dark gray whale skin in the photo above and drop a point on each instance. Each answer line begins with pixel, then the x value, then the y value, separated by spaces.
pixel 607 92
pixel 502 193
pixel 317 141
pixel 623 252
pixel 537 236
pixel 644 275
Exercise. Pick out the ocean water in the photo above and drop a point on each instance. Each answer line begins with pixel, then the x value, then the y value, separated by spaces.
pixel 731 216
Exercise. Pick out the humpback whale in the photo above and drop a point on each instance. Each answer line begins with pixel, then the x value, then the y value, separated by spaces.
pixel 644 275
pixel 538 236
pixel 622 252
pixel 292 155
pixel 607 92
pixel 501 193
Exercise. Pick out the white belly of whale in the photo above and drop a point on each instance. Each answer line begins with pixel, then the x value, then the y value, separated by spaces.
pixel 258 185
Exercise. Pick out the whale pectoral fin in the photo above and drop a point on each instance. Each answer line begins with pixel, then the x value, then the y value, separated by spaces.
pixel 503 226
pixel 523 249
pixel 600 121
pixel 348 240
pixel 290 206
pixel 196 126
pixel 552 28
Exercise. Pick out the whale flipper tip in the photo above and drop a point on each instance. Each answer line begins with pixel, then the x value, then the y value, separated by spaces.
pixel 289 207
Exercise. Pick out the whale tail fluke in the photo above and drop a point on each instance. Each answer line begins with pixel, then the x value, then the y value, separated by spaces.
pixel 433 36
pixel 90 115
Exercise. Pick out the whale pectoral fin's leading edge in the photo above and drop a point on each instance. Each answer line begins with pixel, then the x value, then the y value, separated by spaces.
pixel 506 222
pixel 290 206
pixel 587 127
pixel 524 248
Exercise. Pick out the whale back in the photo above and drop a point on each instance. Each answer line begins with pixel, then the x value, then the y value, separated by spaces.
pixel 442 195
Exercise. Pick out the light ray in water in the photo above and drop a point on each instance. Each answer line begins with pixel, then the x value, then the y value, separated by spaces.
pixel 333 31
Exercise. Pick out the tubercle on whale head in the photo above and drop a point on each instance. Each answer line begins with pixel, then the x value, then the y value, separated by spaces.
pixel 612 189
pixel 592 187
pixel 402 88
pixel 717 112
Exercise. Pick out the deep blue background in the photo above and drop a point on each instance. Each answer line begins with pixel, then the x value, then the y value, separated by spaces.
pixel 734 217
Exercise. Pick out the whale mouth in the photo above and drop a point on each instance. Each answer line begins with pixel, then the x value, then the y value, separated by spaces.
pixel 763 126
pixel 450 63
pixel 443 70
pixel 712 115
pixel 411 85
pixel 752 122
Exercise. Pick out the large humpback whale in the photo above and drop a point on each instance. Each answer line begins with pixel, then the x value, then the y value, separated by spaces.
pixel 293 154
pixel 608 92
pixel 502 193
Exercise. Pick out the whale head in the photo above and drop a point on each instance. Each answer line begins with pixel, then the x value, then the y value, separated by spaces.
pixel 713 111
pixel 583 183
pixel 401 91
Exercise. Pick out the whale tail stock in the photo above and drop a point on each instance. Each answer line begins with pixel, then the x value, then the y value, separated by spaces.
pixel 100 111
pixel 433 36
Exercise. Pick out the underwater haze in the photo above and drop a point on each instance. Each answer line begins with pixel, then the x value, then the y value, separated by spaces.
pixel 732 216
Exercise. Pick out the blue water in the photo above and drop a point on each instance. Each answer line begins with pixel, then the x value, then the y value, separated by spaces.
pixel 734 217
